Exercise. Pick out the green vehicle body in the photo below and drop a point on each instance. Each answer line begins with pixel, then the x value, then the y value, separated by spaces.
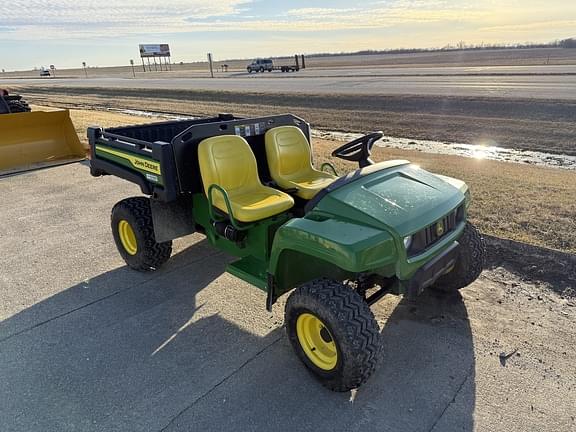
pixel 357 229
pixel 360 228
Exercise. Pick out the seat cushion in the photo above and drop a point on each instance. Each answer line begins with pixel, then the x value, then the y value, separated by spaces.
pixel 228 162
pixel 310 186
pixel 254 205
pixel 290 162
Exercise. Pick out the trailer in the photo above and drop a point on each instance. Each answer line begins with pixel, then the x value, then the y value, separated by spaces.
pixel 288 68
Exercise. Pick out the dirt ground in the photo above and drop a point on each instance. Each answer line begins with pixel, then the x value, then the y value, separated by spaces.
pixel 502 57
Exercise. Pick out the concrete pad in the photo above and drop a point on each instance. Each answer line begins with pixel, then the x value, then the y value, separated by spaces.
pixel 408 393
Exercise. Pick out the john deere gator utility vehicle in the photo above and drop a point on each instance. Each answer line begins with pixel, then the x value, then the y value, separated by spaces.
pixel 249 185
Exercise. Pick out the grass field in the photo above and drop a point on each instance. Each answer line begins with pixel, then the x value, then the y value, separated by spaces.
pixel 517 202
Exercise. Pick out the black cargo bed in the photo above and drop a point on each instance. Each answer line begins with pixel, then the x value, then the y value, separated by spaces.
pixel 162 158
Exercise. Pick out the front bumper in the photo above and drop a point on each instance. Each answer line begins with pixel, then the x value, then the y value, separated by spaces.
pixel 431 271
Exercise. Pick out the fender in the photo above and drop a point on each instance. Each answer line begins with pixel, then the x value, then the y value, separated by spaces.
pixel 327 247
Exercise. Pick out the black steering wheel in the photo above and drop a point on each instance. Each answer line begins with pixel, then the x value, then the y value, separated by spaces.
pixel 359 150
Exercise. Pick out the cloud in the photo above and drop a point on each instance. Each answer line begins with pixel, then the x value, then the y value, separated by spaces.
pixel 531 27
pixel 384 14
pixel 84 19
pixel 315 12
pixel 318 19
pixel 89 19
pixel 30 19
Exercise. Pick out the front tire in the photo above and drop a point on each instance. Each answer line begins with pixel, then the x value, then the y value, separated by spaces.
pixel 133 233
pixel 469 265
pixel 334 333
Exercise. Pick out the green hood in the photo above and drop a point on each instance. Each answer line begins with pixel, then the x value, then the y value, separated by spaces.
pixel 393 195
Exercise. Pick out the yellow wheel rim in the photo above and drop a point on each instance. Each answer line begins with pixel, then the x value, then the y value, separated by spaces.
pixel 316 341
pixel 127 237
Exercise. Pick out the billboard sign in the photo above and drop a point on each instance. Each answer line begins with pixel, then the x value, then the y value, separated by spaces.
pixel 161 50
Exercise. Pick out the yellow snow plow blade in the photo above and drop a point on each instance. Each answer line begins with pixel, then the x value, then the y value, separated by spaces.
pixel 33 140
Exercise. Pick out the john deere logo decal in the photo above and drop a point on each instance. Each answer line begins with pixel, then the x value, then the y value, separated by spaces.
pixel 137 162
pixel 439 229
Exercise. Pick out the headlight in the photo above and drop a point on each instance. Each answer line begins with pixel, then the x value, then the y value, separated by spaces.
pixel 407 242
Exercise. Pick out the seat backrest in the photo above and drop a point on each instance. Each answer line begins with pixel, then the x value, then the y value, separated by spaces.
pixel 228 161
pixel 288 153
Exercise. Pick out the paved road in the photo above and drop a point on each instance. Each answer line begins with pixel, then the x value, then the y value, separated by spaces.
pixel 354 71
pixel 89 345
pixel 518 82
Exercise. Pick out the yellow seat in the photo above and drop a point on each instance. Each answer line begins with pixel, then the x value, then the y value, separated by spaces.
pixel 290 162
pixel 228 162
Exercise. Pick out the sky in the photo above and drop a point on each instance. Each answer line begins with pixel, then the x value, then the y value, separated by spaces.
pixel 35 33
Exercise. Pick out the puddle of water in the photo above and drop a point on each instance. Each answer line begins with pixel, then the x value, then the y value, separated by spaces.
pixel 466 150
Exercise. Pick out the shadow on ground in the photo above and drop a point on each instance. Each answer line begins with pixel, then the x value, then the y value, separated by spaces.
pixel 426 382
pixel 533 263
pixel 132 352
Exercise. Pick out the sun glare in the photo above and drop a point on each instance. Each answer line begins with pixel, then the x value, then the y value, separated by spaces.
pixel 480 152
pixel 484 148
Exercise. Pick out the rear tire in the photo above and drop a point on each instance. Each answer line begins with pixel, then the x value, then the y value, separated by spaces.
pixel 334 333
pixel 133 233
pixel 469 265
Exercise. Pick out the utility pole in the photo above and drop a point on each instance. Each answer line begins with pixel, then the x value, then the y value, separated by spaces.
pixel 210 63
pixel 85 71
pixel 133 72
